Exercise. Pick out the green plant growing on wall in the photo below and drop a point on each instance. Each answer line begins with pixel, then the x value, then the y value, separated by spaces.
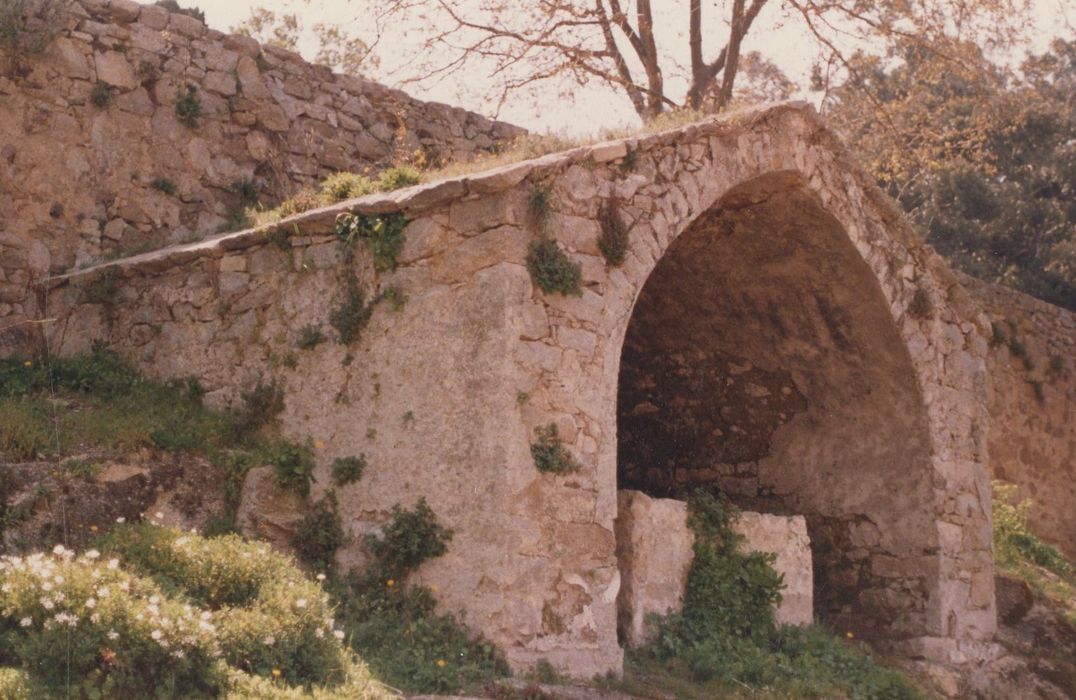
pixel 540 204
pixel 319 534
pixel 261 405
pixel 552 270
pixel 27 27
pixel 293 465
pixel 410 538
pixel 920 306
pixel 394 297
pixel 164 186
pixel 310 336
pixel 247 190
pixel 382 234
pixel 348 470
pixel 353 314
pixel 613 241
pixel 549 454
pixel 189 107
pixel 101 95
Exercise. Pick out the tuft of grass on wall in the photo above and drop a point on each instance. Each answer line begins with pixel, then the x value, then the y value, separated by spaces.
pixel 549 454
pixel 613 241
pixel 552 270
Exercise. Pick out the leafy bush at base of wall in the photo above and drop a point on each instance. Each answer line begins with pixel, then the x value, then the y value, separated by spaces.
pixel 162 613
pixel 1013 540
pixel 726 636
pixel 320 534
pixel 552 270
pixel 396 628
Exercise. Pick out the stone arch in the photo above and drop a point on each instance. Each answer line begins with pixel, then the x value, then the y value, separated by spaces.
pixel 762 361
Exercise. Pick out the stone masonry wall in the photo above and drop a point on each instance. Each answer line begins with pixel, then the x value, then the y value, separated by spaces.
pixel 1032 370
pixel 444 395
pixel 77 177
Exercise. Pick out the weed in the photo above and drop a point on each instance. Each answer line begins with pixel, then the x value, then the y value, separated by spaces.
pixel 382 233
pixel 247 190
pixel 353 314
pixel 1013 539
pixel 101 95
pixel 630 160
pixel 371 433
pixel 261 405
pixel 319 534
pixel 348 470
pixel 522 398
pixel 394 297
pixel 549 453
pixel 410 538
pixel 1038 390
pixel 613 242
pixel 540 204
pixel 997 335
pixel 27 27
pixel 86 469
pixel 1017 348
pixel 408 417
pixel 552 270
pixel 102 288
pixel 173 6
pixel 310 336
pixel 189 107
pixel 293 465
pixel 1057 365
pixel 164 185
pixel 23 426
pixel 920 306
pixel 290 361
pixel 238 220
pixel 278 238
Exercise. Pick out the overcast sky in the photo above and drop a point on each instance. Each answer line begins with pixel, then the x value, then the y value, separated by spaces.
pixel 592 108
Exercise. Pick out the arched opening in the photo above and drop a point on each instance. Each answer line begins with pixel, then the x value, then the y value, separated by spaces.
pixel 762 361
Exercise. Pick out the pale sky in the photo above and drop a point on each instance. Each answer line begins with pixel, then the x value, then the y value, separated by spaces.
pixel 592 108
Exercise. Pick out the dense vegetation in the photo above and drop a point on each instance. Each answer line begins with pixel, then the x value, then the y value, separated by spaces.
pixel 982 157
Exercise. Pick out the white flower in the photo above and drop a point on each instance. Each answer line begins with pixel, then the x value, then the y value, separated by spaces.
pixel 319 633
pixel 25 622
pixel 92 554
pixel 58 549
pixel 95 618
pixel 321 577
pixel 46 586
pixel 113 563
pixel 58 579
pixel 339 634
pixel 47 603
pixel 90 603
pixel 103 592
pixel 113 635
pixel 269 641
pixel 156 634
pixel 301 603
pixel 159 515
pixel 121 520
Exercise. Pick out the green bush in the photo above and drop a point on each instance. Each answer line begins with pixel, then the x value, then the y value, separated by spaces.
pixel 613 241
pixel 29 26
pixel 293 465
pixel 348 470
pixel 164 185
pixel 552 270
pixel 261 405
pixel 101 95
pixel 549 454
pixel 310 336
pixel 396 628
pixel 1013 539
pixel 540 205
pixel 382 234
pixel 189 106
pixel 320 534
pixel 23 429
pixel 353 314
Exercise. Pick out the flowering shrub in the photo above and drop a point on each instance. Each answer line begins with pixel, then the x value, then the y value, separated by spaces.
pixel 161 613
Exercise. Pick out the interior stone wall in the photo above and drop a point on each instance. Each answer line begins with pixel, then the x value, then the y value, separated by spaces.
pixel 445 395
pixel 1032 370
pixel 762 361
pixel 77 177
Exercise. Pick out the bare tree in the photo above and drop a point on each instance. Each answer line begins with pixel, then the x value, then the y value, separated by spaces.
pixel 624 44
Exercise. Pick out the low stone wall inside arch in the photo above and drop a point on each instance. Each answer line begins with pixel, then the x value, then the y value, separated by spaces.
pixel 445 394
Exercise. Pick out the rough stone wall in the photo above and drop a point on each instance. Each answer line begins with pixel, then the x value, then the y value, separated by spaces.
pixel 77 177
pixel 654 549
pixel 1032 370
pixel 444 395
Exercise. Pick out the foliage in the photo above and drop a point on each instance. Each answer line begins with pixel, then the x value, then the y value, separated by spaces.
pixel 262 403
pixel 726 636
pixel 189 106
pixel 540 204
pixel 552 270
pixel 613 242
pixel 353 314
pixel 101 95
pixel 341 186
pixel 382 233
pixel 164 185
pixel 920 305
pixel 337 47
pixel 174 6
pixel 396 628
pixel 22 428
pixel 549 454
pixel 1014 541
pixel 247 189
pixel 161 613
pixel 319 534
pixel 310 336
pixel 27 27
pixel 348 470
pixel 102 288
pixel 293 465
pixel 983 158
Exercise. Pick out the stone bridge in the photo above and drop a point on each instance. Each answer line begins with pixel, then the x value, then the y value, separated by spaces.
pixel 776 330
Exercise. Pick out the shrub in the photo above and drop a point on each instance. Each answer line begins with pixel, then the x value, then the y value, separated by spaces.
pixel 340 186
pixel 103 287
pixel 398 176
pixel 382 233
pixel 189 106
pixel 173 6
pixel 540 204
pixel 164 185
pixel 396 628
pixel 247 190
pixel 348 470
pixel 23 424
pixel 320 534
pixel 552 270
pixel 549 454
pixel 238 220
pixel 310 336
pixel 261 405
pixel 29 26
pixel 613 242
pixel 353 314
pixel 101 95
pixel 293 465
pixel 1013 539
pixel 920 306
